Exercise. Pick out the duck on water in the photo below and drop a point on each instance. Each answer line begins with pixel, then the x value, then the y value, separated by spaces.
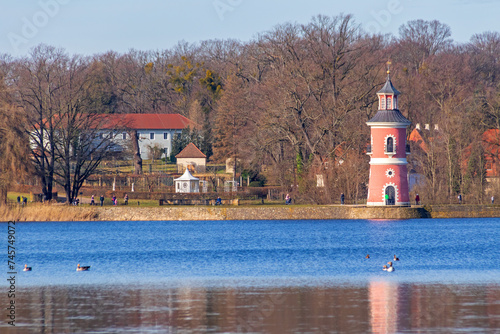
pixel 82 268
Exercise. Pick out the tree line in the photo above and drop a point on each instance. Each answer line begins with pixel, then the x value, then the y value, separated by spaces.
pixel 290 104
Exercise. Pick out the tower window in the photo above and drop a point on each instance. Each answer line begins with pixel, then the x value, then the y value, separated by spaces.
pixel 382 103
pixel 390 145
pixel 389 102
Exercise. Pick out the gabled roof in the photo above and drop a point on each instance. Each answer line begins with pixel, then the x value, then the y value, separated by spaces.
pixel 191 151
pixel 149 121
pixel 416 137
pixel 388 88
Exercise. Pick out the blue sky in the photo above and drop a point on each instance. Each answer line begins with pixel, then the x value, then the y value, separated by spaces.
pixel 96 26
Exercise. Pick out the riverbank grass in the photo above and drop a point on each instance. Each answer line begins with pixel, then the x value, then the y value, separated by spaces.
pixel 40 212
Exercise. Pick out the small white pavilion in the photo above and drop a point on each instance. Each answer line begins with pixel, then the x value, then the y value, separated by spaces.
pixel 187 183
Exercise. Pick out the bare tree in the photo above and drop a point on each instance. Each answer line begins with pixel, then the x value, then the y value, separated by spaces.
pixel 233 123
pixel 37 80
pixel 312 86
pixel 56 92
pixel 485 56
pixel 136 151
pixel 14 150
pixel 80 142
pixel 420 39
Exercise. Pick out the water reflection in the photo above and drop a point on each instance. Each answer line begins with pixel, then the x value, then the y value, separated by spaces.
pixel 378 307
pixel 383 306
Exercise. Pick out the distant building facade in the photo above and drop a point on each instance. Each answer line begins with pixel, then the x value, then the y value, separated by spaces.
pixel 152 129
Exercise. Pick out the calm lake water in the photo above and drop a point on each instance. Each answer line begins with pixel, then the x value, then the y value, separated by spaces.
pixel 257 276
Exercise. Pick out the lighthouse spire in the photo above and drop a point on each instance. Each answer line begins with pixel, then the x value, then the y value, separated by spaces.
pixel 388 95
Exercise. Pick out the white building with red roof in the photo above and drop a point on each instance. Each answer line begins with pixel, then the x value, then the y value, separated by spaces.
pixel 152 129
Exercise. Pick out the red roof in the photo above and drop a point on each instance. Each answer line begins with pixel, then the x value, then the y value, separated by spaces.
pixel 191 151
pixel 150 121
pixel 132 121
pixel 416 137
pixel 491 146
pixel 491 141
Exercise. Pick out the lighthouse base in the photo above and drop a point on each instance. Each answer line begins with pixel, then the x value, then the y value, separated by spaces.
pixel 384 204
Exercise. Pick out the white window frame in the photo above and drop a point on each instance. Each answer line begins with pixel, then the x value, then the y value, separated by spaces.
pixel 388 101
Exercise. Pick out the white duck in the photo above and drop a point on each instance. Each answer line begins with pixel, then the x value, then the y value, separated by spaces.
pixel 390 268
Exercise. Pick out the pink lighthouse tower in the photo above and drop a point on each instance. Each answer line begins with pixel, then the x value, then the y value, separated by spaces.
pixel 388 165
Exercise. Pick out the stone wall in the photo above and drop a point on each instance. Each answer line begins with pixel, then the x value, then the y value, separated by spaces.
pixel 296 212
pixel 257 212
pixel 463 211
pixel 110 213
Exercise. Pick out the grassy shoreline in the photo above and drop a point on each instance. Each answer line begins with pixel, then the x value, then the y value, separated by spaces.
pixel 35 212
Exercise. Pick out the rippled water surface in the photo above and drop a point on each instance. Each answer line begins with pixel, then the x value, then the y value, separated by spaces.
pixel 258 276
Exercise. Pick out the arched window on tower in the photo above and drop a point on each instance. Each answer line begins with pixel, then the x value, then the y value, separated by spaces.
pixel 389 102
pixel 382 103
pixel 389 148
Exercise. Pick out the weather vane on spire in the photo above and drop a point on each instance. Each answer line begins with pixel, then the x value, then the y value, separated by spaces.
pixel 389 63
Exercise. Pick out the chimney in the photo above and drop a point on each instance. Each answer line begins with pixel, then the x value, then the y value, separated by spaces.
pixel 427 127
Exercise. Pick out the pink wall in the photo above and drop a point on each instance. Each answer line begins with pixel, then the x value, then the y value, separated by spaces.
pixel 388 173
